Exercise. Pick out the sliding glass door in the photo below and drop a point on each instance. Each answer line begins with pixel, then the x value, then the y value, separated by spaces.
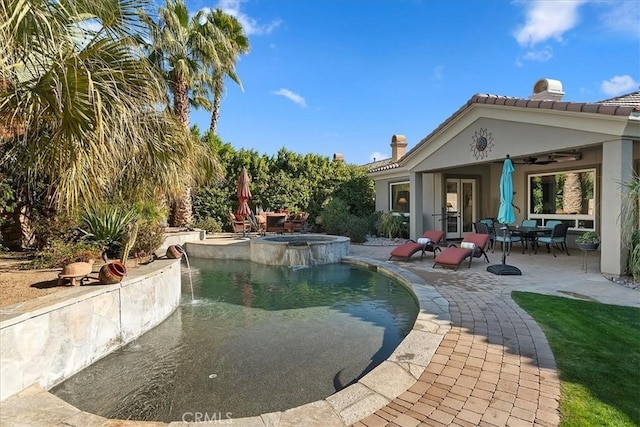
pixel 460 207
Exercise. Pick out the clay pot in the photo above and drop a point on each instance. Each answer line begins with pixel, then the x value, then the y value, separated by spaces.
pixel 112 273
pixel 175 251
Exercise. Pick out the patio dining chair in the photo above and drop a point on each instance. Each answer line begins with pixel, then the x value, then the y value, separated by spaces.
pixel 552 223
pixel 557 239
pixel 489 230
pixel 527 241
pixel 505 237
pixel 239 224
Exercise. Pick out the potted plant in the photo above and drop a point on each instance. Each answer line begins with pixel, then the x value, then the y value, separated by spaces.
pixel 588 241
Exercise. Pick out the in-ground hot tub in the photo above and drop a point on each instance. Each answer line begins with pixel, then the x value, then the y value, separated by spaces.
pixel 302 249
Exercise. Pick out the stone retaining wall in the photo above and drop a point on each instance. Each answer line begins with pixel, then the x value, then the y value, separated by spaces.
pixel 47 340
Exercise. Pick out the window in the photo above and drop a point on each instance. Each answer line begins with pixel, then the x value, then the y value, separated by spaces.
pixel 568 196
pixel 399 197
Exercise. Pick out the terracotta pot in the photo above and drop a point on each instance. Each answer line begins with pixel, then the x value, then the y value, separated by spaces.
pixel 112 273
pixel 175 251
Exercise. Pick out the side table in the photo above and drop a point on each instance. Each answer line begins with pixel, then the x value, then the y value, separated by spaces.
pixel 586 251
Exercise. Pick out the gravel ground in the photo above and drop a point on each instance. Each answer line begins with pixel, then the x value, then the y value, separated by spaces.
pixel 22 285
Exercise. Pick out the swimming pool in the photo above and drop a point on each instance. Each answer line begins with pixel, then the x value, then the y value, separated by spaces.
pixel 257 339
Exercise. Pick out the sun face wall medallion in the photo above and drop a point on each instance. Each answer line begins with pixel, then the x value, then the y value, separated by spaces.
pixel 481 144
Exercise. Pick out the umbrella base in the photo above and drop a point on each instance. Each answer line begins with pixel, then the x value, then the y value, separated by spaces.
pixel 504 270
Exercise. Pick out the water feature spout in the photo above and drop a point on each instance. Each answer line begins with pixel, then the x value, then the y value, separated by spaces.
pixel 186 258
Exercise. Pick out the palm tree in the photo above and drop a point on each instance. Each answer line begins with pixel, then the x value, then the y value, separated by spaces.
pixel 185 50
pixel 239 42
pixel 85 102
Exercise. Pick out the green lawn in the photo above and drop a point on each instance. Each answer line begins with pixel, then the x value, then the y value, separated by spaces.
pixel 597 350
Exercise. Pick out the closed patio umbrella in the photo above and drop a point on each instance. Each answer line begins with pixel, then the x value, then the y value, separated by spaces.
pixel 244 194
pixel 506 215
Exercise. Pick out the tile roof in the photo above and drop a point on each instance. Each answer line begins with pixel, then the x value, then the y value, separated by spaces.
pixel 380 165
pixel 624 105
pixel 630 99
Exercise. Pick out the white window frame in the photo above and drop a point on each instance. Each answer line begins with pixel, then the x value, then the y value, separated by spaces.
pixel 566 217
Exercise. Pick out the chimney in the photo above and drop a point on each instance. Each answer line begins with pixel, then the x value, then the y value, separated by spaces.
pixel 338 157
pixel 398 147
pixel 547 90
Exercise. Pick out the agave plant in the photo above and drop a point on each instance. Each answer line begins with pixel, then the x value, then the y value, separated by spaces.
pixel 108 226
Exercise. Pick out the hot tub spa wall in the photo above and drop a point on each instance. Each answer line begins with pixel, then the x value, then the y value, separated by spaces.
pixel 50 344
pixel 277 250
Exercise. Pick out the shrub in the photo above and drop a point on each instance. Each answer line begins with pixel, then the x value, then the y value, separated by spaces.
pixel 392 225
pixel 334 216
pixel 633 263
pixel 355 228
pixel 58 253
pixel 373 221
pixel 212 225
pixel 49 227
pixel 150 237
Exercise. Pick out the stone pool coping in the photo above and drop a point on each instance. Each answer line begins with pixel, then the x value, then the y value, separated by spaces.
pixel 375 390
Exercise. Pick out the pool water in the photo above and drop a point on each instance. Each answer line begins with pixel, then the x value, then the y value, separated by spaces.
pixel 256 339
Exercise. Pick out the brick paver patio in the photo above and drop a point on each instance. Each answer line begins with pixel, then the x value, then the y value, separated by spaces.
pixel 494 368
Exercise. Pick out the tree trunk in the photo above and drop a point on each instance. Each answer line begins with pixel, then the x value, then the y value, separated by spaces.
pixel 181 100
pixel 215 113
pixel 181 211
pixel 218 88
pixel 572 194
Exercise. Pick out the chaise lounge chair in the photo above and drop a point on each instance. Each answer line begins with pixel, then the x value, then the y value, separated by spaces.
pixel 472 246
pixel 427 243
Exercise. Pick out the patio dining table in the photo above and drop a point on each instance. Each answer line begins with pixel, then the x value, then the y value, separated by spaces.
pixel 529 235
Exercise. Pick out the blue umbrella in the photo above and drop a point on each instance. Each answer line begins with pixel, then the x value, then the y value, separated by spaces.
pixel 505 213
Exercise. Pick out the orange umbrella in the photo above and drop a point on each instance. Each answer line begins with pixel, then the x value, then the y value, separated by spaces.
pixel 244 194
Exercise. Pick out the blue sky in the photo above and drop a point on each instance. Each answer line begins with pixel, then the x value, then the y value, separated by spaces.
pixel 343 76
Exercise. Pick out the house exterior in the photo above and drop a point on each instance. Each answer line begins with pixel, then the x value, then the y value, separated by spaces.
pixel 570 159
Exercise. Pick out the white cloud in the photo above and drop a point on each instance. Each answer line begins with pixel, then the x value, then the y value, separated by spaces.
pixel 251 25
pixel 376 155
pixel 547 20
pixel 618 85
pixel 292 96
pixel 540 55
pixel 621 17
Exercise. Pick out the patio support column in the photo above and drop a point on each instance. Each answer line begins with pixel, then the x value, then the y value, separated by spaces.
pixel 416 203
pixel 617 167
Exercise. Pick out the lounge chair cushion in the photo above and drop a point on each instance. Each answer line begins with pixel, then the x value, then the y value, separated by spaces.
pixel 472 246
pixel 452 256
pixel 407 249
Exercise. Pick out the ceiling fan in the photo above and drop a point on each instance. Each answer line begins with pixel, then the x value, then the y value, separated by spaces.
pixel 546 159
